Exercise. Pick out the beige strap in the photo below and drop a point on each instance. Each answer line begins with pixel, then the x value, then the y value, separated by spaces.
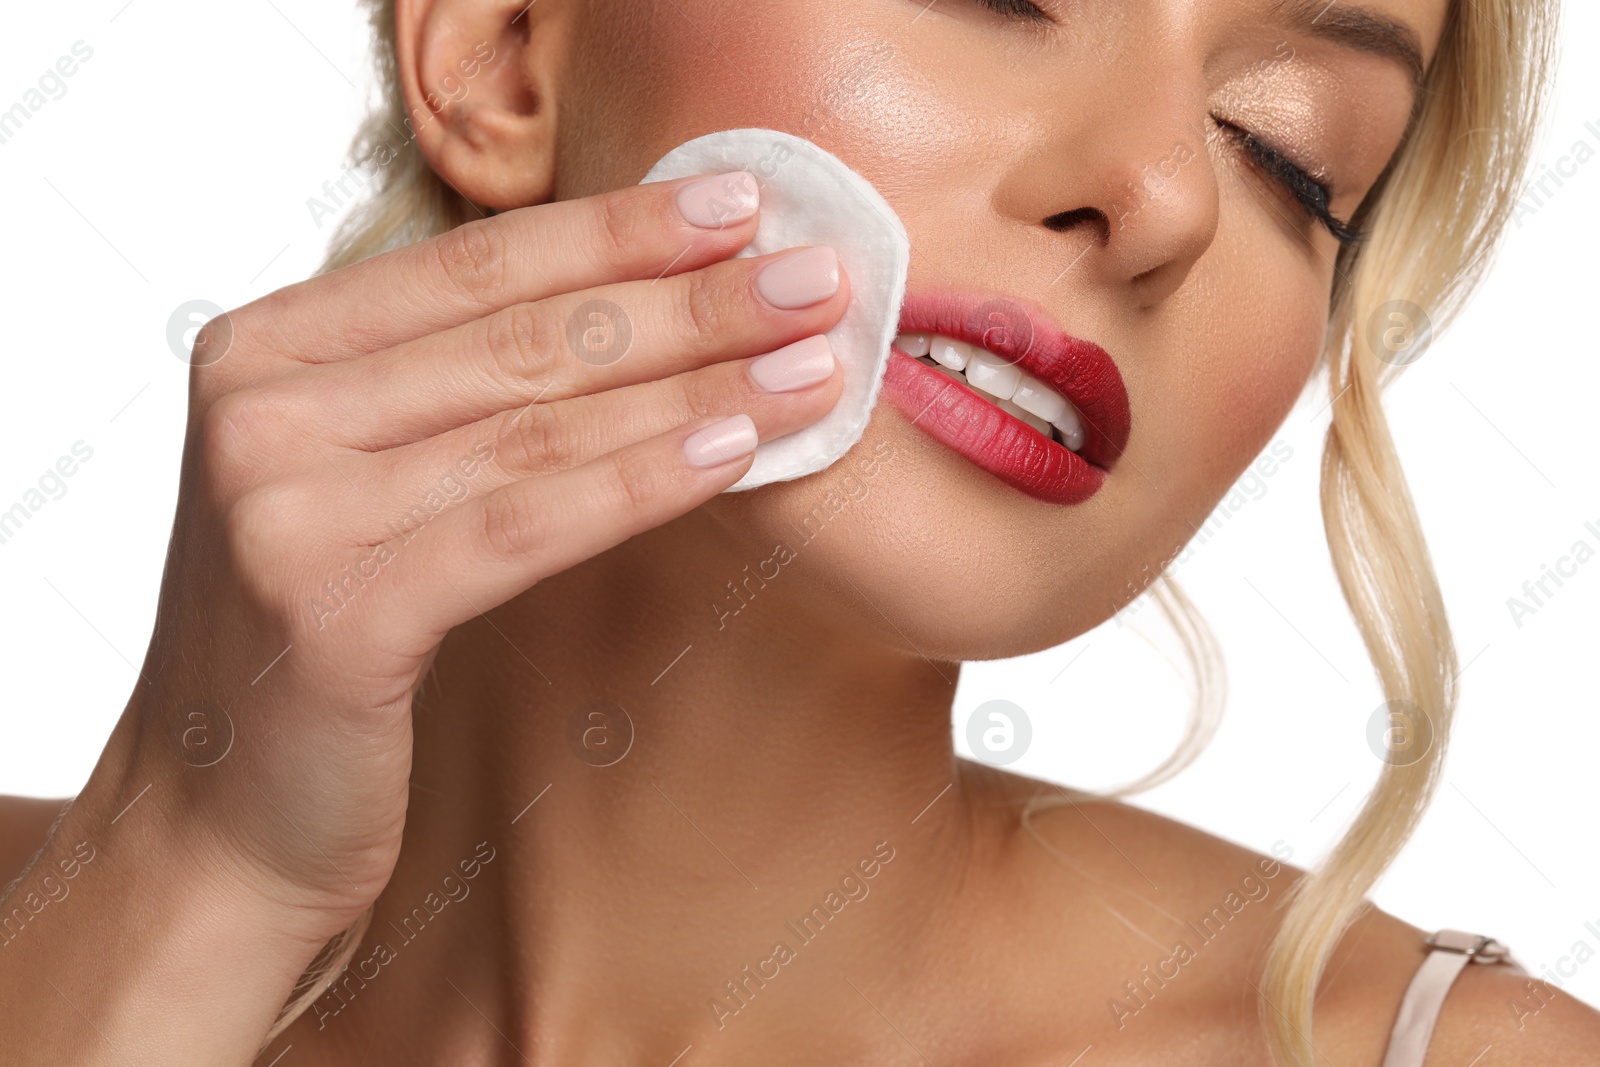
pixel 1451 951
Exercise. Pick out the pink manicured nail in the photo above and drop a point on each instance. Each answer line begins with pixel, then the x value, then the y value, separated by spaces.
pixel 715 202
pixel 806 362
pixel 800 279
pixel 721 442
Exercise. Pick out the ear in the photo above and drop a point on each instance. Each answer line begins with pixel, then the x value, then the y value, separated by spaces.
pixel 478 77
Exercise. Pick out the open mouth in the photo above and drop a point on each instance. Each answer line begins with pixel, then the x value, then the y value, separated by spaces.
pixel 999 383
pixel 1017 394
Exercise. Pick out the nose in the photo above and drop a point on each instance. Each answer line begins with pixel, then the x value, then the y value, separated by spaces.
pixel 1125 178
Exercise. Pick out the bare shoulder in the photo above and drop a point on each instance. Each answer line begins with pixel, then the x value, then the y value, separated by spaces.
pixel 1215 907
pixel 25 823
pixel 1524 1019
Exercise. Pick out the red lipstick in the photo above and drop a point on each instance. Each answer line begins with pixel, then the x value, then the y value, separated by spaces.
pixel 969 423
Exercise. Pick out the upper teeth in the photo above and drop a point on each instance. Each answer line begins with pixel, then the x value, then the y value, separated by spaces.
pixel 1015 393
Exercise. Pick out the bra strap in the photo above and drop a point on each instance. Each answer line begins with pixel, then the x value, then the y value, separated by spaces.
pixel 1451 951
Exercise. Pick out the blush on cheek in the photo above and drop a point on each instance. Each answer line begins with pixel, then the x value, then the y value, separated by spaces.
pixel 674 71
pixel 847 80
pixel 1265 326
pixel 1250 362
pixel 1264 393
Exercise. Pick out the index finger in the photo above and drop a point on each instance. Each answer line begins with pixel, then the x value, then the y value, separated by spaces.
pixel 525 254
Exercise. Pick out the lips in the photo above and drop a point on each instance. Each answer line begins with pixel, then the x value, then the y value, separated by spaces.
pixel 963 420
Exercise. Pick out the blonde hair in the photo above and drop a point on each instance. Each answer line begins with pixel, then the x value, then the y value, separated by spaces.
pixel 1434 220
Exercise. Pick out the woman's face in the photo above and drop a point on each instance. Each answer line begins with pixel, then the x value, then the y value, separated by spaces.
pixel 1078 159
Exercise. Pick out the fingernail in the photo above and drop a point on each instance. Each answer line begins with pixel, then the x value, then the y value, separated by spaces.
pixel 721 442
pixel 800 279
pixel 714 202
pixel 806 362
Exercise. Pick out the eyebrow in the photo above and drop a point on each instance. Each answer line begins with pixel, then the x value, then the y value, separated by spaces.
pixel 1359 28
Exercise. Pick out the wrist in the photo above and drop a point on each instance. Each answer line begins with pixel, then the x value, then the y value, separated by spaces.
pixel 127 921
pixel 206 804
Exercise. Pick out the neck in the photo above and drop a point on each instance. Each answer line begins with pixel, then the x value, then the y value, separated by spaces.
pixel 667 813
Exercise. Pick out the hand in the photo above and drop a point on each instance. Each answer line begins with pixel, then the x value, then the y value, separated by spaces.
pixel 381 453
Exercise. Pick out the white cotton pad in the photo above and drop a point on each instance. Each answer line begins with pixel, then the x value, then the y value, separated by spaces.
pixel 809 197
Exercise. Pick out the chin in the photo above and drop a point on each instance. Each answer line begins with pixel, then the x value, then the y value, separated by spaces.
pixel 912 546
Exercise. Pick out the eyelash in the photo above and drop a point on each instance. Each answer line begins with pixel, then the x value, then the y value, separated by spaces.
pixel 1311 194
pixel 1020 9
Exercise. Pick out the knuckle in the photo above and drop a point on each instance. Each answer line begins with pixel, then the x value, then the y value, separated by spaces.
pixel 257 528
pixel 231 433
pixel 211 341
pixel 513 525
pixel 636 482
pixel 620 224
pixel 472 258
pixel 520 341
pixel 244 344
pixel 705 312
pixel 703 394
pixel 540 442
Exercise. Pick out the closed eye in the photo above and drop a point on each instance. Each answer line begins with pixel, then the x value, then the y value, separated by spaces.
pixel 1310 194
pixel 1020 9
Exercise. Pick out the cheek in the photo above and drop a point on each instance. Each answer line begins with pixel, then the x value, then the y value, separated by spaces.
pixel 644 77
pixel 1244 336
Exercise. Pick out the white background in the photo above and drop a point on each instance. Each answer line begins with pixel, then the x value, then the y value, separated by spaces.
pixel 177 166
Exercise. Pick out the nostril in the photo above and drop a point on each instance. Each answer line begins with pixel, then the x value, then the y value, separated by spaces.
pixel 1063 221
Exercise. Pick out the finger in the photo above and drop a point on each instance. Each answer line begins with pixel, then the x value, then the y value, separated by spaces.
pixel 642 231
pixel 476 557
pixel 782 392
pixel 526 353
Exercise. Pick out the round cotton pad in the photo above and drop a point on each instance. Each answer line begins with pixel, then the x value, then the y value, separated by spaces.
pixel 809 197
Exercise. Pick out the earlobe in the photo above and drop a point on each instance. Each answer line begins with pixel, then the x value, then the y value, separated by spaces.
pixel 478 80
